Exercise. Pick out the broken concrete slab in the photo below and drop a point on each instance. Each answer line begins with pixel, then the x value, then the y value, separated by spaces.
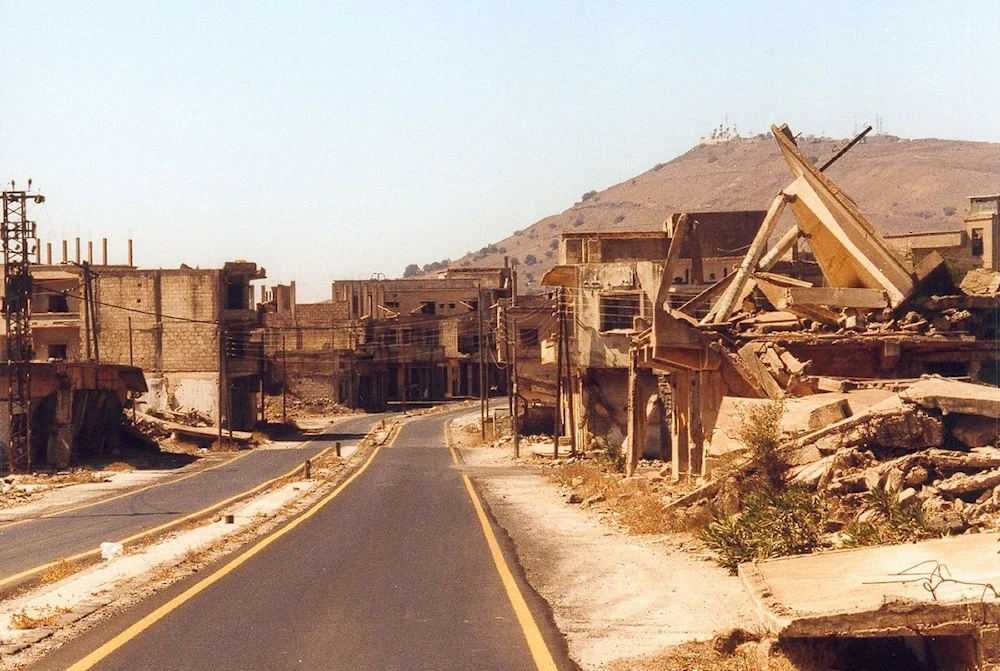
pixel 954 396
pixel 879 591
pixel 889 423
pixel 964 483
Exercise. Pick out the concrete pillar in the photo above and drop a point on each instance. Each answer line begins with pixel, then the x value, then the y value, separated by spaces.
pixel 681 385
pixel 58 450
pixel 696 444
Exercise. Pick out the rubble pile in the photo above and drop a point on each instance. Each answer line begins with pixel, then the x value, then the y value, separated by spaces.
pixel 296 407
pixel 934 445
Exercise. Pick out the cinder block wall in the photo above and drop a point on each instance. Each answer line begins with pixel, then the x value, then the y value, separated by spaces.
pixel 153 299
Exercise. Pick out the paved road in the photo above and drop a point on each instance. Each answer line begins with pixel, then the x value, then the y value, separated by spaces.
pixel 42 540
pixel 393 573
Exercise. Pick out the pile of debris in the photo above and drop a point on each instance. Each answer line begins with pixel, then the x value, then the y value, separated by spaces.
pixel 294 407
pixel 932 444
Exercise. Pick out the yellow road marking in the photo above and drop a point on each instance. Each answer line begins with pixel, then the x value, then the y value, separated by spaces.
pixel 163 527
pixel 145 623
pixel 532 634
pixel 82 506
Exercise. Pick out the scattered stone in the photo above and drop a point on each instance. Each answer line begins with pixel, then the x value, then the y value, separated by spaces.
pixel 726 642
pixel 907 496
pixel 574 498
pixel 591 500
pixel 915 477
pixel 962 483
pixel 940 516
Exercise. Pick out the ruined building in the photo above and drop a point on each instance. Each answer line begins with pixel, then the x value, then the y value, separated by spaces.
pixel 975 245
pixel 759 333
pixel 608 284
pixel 110 332
pixel 378 341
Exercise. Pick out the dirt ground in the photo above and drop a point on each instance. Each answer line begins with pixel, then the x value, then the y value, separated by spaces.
pixel 623 601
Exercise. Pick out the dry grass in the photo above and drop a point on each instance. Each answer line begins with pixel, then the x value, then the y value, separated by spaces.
pixel 119 467
pixel 59 570
pixel 703 657
pixel 636 501
pixel 76 476
pixel 44 617
pixel 224 445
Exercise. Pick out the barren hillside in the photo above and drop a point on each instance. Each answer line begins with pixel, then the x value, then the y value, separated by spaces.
pixel 901 185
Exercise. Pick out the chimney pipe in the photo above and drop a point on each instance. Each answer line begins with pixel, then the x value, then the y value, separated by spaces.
pixel 48 253
pixel 78 250
pixel 104 251
pixel 90 252
pixel 130 251
pixel 65 251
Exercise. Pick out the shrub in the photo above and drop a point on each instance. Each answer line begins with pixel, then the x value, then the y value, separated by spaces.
pixel 554 243
pixel 890 521
pixel 760 432
pixel 773 523
pixel 949 211
pixel 620 218
pixel 530 260
pixel 411 270
pixel 588 195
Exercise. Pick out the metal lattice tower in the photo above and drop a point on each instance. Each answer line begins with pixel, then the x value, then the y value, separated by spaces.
pixel 18 236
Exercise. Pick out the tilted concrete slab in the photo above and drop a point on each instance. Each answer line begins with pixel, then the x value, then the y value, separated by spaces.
pixel 955 396
pixel 881 591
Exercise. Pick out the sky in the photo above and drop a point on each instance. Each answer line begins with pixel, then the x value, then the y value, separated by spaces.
pixel 336 140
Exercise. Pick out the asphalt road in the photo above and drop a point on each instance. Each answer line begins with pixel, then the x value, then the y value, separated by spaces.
pixel 393 573
pixel 45 539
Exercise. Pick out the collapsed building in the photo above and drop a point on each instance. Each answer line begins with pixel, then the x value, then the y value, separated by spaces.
pixel 607 284
pixel 378 341
pixel 761 333
pixel 883 357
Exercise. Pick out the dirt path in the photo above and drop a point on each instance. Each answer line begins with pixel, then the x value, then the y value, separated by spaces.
pixel 614 596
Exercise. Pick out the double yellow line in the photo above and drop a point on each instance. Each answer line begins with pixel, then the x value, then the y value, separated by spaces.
pixel 533 636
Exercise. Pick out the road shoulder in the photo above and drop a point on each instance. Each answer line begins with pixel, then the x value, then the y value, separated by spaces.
pixel 613 596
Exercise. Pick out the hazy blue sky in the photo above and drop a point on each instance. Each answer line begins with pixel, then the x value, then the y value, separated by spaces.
pixel 326 140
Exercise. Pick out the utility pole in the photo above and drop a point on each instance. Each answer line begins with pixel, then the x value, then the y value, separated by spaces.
pixel 513 385
pixel 131 362
pixel 482 365
pixel 222 376
pixel 90 307
pixel 284 379
pixel 18 234
pixel 557 415
pixel 569 373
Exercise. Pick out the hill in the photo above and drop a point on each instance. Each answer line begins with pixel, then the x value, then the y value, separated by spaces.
pixel 900 185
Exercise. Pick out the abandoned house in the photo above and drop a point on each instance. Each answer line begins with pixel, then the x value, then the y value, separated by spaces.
pixel 379 341
pixel 975 245
pixel 166 322
pixel 75 402
pixel 195 333
pixel 608 284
